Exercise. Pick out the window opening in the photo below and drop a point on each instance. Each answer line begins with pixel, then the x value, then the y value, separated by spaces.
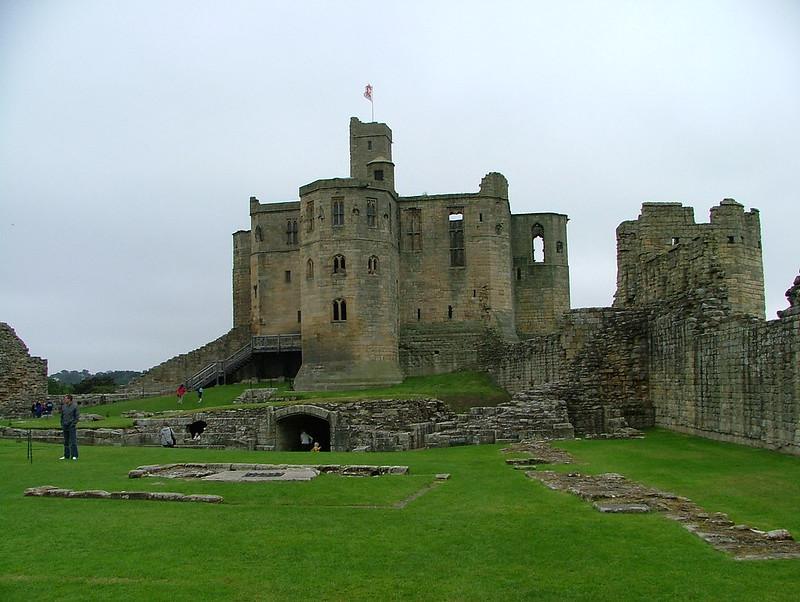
pixel 339 310
pixel 456 228
pixel 731 240
pixel 675 240
pixel 480 217
pixel 371 214
pixel 419 314
pixel 519 274
pixel 309 269
pixel 369 144
pixel 291 231
pixel 537 243
pixel 298 316
pixel 474 293
pixel 338 212
pixel 413 231
pixel 449 312
pixel 338 264
pixel 287 275
pixel 310 216
pixel 560 246
pixel 259 234
pixel 378 175
pixel 372 265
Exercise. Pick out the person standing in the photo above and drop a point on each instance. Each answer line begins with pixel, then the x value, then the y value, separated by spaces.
pixel 199 394
pixel 305 441
pixel 181 392
pixel 69 424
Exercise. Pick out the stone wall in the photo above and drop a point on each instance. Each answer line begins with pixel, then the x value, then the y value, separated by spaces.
pixel 737 380
pixel 165 377
pixel 596 363
pixel 374 425
pixel 23 378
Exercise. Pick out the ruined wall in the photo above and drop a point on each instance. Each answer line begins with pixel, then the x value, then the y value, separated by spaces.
pixel 596 363
pixel 23 378
pixel 665 253
pixel 727 378
pixel 165 377
pixel 540 271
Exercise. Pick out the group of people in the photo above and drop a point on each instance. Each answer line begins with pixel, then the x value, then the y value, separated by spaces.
pixel 40 409
pixel 182 390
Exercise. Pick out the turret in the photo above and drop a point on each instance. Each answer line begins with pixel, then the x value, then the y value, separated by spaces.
pixel 371 154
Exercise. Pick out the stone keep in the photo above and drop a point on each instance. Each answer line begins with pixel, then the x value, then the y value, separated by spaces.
pixel 381 286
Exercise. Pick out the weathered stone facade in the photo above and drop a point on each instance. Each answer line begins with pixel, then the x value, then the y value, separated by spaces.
pixel 375 425
pixel 685 346
pixel 373 281
pixel 23 378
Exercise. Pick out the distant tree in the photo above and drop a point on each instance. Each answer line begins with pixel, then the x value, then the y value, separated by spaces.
pixel 55 387
pixel 71 377
pixel 121 377
pixel 100 383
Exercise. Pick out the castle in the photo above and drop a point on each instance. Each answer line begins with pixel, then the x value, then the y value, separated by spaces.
pixel 355 286
pixel 377 285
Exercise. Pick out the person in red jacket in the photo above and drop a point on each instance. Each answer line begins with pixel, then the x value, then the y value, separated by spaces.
pixel 181 392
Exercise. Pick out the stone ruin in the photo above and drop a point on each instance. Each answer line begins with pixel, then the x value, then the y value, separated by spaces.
pixel 613 493
pixel 23 378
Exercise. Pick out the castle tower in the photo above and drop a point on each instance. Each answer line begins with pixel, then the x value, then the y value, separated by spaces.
pixel 665 254
pixel 349 270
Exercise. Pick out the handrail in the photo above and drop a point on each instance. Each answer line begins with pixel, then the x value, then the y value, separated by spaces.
pixel 259 343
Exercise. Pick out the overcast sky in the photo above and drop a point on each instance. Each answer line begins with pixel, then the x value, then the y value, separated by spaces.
pixel 132 135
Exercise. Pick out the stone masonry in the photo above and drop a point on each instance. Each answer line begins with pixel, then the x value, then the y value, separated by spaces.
pixel 685 347
pixel 23 378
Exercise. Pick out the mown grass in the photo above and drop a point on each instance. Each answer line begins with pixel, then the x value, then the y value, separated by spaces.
pixel 486 534
pixel 459 390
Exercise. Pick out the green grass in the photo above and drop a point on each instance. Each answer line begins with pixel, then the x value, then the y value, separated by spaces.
pixel 213 397
pixel 460 390
pixel 486 534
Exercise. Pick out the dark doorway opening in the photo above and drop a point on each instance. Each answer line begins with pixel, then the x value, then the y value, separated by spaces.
pixel 290 427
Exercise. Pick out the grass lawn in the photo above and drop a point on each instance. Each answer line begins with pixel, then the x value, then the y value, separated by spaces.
pixel 459 390
pixel 487 534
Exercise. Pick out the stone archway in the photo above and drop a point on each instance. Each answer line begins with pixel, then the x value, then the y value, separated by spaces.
pixel 291 421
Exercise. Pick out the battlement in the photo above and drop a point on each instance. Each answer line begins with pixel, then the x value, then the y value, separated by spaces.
pixel 650 268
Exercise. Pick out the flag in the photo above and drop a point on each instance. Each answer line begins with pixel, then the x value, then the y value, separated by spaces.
pixel 368 92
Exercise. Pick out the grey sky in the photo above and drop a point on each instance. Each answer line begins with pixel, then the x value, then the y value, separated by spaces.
pixel 133 133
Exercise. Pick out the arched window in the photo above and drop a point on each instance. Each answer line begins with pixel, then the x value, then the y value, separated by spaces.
pixel 339 265
pixel 259 234
pixel 537 243
pixel 339 310
pixel 309 269
pixel 372 265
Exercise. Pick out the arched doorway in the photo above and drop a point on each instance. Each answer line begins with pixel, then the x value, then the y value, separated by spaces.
pixel 290 427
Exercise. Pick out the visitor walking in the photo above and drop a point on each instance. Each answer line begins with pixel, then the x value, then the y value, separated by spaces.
pixel 199 394
pixel 69 424
pixel 305 441
pixel 181 392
